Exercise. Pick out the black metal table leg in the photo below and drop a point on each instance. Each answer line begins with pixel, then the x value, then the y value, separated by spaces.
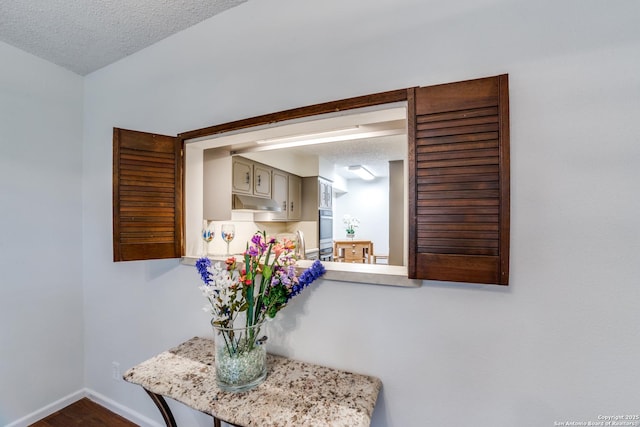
pixel 164 408
pixel 166 411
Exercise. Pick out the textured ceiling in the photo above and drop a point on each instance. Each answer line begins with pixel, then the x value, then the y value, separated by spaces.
pixel 85 35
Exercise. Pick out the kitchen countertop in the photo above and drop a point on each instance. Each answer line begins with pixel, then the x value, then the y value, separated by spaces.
pixel 294 394
pixel 374 274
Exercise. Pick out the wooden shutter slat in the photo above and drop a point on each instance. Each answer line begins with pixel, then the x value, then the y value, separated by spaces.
pixel 458 210
pixel 436 186
pixel 462 194
pixel 426 163
pixel 458 234
pixel 479 218
pixel 479 177
pixel 453 115
pixel 458 130
pixel 147 183
pixel 459 146
pixel 459 176
pixel 456 123
pixel 147 196
pixel 459 253
pixel 461 243
pixel 491 152
pixel 147 175
pixel 146 156
pixel 455 139
pixel 458 227
pixel 155 204
pixel 456 202
pixel 482 169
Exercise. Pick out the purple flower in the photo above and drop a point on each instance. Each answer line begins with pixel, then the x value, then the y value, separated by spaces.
pixel 307 277
pixel 203 265
pixel 259 244
pixel 252 251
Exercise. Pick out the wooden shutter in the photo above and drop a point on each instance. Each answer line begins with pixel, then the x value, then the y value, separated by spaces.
pixel 147 196
pixel 459 181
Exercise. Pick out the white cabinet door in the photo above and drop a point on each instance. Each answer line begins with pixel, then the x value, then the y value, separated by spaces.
pixel 325 194
pixel 295 198
pixel 242 171
pixel 261 181
pixel 280 192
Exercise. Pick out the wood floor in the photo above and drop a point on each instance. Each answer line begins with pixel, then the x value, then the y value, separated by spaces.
pixel 84 413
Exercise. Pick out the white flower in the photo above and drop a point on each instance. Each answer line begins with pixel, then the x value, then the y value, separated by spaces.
pixel 350 222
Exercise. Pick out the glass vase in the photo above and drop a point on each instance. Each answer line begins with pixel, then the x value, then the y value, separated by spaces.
pixel 241 357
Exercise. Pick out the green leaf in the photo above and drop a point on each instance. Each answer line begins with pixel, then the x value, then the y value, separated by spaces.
pixel 267 272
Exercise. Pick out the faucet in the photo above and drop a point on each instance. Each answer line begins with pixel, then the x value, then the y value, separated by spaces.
pixel 300 247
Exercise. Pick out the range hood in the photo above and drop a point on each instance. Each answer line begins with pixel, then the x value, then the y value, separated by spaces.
pixel 252 203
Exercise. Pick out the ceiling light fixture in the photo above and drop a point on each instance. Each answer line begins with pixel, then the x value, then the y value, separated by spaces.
pixel 307 136
pixel 362 172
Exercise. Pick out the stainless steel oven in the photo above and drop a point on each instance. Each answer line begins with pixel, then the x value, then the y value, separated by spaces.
pixel 325 227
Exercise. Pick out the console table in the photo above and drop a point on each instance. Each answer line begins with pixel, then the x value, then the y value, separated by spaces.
pixel 294 394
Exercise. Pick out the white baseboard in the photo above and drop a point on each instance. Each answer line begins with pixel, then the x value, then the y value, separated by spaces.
pixel 48 410
pixel 121 410
pixel 100 399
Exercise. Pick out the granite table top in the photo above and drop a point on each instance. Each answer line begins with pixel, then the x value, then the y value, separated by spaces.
pixel 294 394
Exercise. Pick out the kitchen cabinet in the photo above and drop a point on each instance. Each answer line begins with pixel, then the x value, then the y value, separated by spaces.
pixel 280 193
pixel 317 195
pixel 325 200
pixel 262 181
pixel 250 178
pixel 287 192
pixel 242 176
pixel 295 198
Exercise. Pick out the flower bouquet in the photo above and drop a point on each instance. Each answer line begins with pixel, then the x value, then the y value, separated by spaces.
pixel 242 297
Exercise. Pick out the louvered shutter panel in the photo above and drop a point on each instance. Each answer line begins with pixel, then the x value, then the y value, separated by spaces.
pixel 459 180
pixel 147 196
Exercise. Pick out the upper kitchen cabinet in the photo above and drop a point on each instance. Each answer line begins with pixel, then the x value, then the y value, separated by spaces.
pixel 234 182
pixel 287 193
pixel 325 197
pixel 261 181
pixel 242 176
pixel 250 178
pixel 295 198
pixel 317 195
pixel 280 193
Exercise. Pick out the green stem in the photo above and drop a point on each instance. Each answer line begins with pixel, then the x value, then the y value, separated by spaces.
pixel 263 283
pixel 227 344
pixel 249 268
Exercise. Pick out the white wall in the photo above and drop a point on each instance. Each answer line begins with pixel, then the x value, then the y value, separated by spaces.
pixel 561 343
pixel 41 322
pixel 369 202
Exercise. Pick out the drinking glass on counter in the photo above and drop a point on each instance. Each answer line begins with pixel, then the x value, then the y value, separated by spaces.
pixel 207 233
pixel 228 232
